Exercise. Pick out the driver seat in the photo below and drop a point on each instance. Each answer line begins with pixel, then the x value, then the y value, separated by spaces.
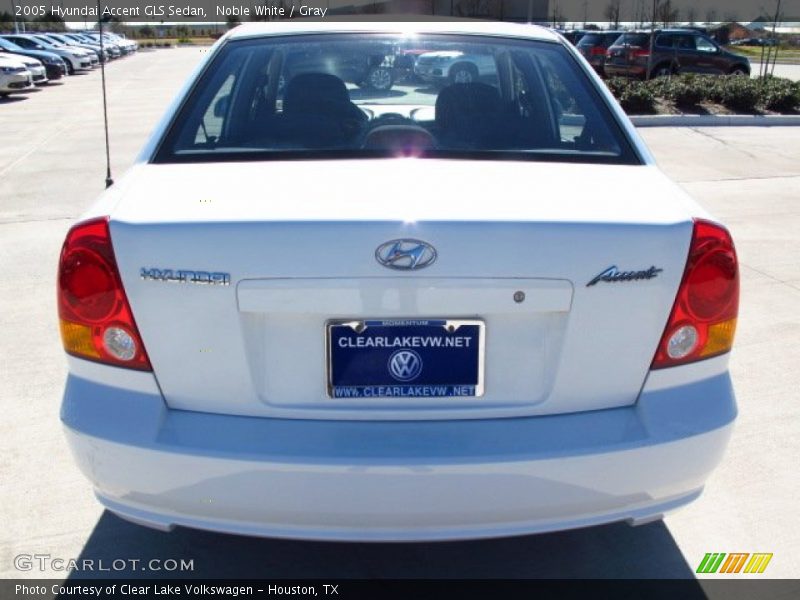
pixel 317 112
pixel 468 114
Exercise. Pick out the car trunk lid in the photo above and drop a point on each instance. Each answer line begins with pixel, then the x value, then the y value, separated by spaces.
pixel 298 240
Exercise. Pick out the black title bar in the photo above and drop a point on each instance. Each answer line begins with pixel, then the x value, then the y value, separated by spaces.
pixel 404 589
pixel 567 13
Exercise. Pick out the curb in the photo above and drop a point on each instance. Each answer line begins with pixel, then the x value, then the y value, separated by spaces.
pixel 715 120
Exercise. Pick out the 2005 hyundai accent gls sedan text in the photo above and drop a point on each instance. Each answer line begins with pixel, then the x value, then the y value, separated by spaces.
pixel 467 309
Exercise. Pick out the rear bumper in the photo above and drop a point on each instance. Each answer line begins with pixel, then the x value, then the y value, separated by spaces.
pixel 407 480
pixel 625 70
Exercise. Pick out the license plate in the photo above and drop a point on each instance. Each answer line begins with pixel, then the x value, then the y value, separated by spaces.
pixel 405 358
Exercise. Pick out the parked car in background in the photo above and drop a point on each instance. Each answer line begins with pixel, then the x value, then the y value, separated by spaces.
pixel 112 51
pixel 36 68
pixel 119 39
pixel 594 45
pixel 54 65
pixel 38 72
pixel 674 51
pixel 115 50
pixel 573 36
pixel 14 77
pixel 365 65
pixel 76 59
pixel 125 46
pixel 756 42
pixel 455 66
pixel 391 322
pixel 46 38
pixel 69 41
pixel 111 48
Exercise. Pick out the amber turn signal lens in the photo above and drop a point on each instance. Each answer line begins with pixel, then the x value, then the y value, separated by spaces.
pixel 720 338
pixel 78 339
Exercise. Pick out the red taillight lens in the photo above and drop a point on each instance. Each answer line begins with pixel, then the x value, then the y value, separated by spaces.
pixel 703 319
pixel 96 319
pixel 598 51
pixel 640 53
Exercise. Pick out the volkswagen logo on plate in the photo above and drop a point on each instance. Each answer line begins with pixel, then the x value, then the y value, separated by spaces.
pixel 405 365
pixel 406 255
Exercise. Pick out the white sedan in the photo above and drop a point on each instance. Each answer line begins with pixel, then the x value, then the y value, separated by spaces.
pixel 314 311
pixel 38 72
pixel 14 76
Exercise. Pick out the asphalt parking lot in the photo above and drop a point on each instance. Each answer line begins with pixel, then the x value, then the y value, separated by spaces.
pixel 52 165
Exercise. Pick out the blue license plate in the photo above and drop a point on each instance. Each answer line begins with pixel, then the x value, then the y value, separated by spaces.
pixel 405 358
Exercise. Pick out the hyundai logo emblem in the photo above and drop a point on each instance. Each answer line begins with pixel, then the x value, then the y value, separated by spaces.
pixel 405 365
pixel 405 254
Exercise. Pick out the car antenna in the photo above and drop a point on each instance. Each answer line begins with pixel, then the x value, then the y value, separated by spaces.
pixel 109 181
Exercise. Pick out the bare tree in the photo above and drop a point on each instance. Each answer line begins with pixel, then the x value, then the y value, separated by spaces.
pixel 711 16
pixel 557 17
pixel 691 15
pixel 639 12
pixel 731 16
pixel 666 14
pixel 479 8
pixel 613 12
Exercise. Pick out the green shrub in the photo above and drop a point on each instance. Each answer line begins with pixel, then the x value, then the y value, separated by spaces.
pixel 714 90
pixel 638 98
pixel 741 94
pixel 617 86
pixel 779 94
pixel 634 96
pixel 687 90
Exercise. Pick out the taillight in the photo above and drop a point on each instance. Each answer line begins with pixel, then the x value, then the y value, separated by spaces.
pixel 703 319
pixel 640 53
pixel 95 317
pixel 598 51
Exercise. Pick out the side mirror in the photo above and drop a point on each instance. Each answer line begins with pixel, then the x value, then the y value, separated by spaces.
pixel 221 106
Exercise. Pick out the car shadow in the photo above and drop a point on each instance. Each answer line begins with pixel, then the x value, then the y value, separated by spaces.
pixel 13 98
pixel 615 551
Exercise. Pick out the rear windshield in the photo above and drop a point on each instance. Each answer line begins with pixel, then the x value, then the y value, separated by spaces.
pixel 591 39
pixel 349 95
pixel 598 39
pixel 633 39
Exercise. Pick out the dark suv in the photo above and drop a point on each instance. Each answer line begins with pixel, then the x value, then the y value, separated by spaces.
pixel 674 51
pixel 594 44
